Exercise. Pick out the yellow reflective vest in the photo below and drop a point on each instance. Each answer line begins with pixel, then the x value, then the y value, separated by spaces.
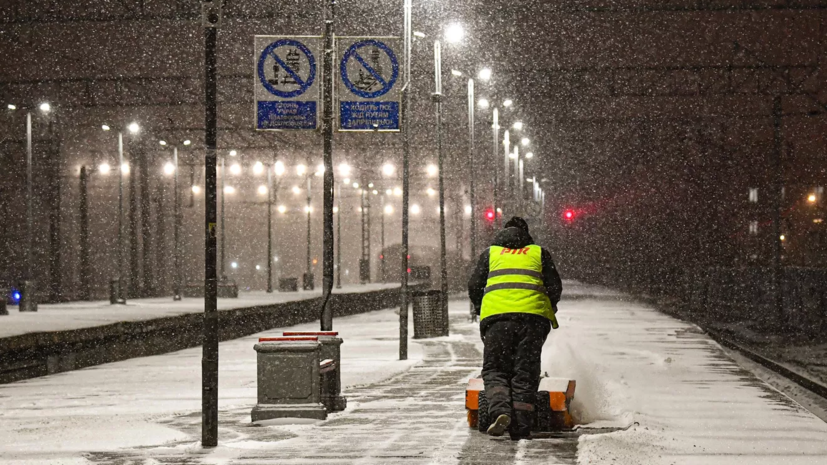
pixel 515 283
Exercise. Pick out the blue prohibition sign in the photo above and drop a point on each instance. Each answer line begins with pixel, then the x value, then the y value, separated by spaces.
pixel 270 51
pixel 353 52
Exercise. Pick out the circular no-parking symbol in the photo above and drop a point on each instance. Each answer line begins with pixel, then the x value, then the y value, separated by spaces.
pixel 369 68
pixel 286 68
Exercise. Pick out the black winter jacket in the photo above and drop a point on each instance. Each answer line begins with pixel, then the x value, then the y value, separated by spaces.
pixel 513 238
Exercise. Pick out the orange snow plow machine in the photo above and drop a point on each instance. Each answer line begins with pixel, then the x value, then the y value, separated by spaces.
pixel 551 408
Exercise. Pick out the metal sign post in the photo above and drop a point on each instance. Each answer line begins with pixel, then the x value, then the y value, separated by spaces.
pixel 327 255
pixel 287 82
pixel 369 94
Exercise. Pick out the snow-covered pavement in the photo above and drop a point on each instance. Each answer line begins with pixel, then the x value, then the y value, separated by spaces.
pixel 77 315
pixel 682 400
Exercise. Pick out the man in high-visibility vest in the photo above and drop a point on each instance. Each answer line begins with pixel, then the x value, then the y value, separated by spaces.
pixel 515 289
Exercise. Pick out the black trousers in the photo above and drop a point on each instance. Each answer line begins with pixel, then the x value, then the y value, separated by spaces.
pixel 511 365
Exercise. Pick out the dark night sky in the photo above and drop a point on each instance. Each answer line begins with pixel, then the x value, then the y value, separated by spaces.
pixel 643 116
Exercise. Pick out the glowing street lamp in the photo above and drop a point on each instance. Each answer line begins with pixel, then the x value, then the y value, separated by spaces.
pixel 485 74
pixel 258 168
pixel 454 33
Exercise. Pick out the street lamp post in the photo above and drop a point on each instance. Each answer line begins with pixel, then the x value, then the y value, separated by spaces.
pixel 176 279
pixel 270 258
pixel 222 273
pixel 364 262
pixel 28 299
pixel 309 264
pixel 85 271
pixel 382 240
pixel 471 179
pixel 121 299
pixel 437 97
pixel 339 236
pixel 495 131
pixel 507 177
pixel 123 168
pixel 406 152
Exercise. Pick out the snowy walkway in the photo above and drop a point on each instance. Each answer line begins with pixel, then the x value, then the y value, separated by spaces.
pixel 77 315
pixel 683 400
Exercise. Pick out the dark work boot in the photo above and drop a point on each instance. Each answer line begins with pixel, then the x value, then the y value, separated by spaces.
pixel 500 425
pixel 521 426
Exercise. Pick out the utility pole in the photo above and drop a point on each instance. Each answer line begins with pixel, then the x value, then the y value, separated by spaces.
pixel 211 18
pixel 437 97
pixel 327 121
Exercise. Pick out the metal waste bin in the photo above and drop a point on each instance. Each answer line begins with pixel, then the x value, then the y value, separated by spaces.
pixel 4 297
pixel 114 290
pixel 308 282
pixel 429 320
pixel 288 285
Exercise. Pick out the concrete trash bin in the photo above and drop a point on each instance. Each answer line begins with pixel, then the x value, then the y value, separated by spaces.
pixel 331 380
pixel 288 379
pixel 429 320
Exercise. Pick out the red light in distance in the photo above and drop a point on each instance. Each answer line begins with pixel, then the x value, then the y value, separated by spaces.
pixel 568 214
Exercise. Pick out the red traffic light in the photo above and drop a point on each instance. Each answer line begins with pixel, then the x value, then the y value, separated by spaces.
pixel 568 215
pixel 489 215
